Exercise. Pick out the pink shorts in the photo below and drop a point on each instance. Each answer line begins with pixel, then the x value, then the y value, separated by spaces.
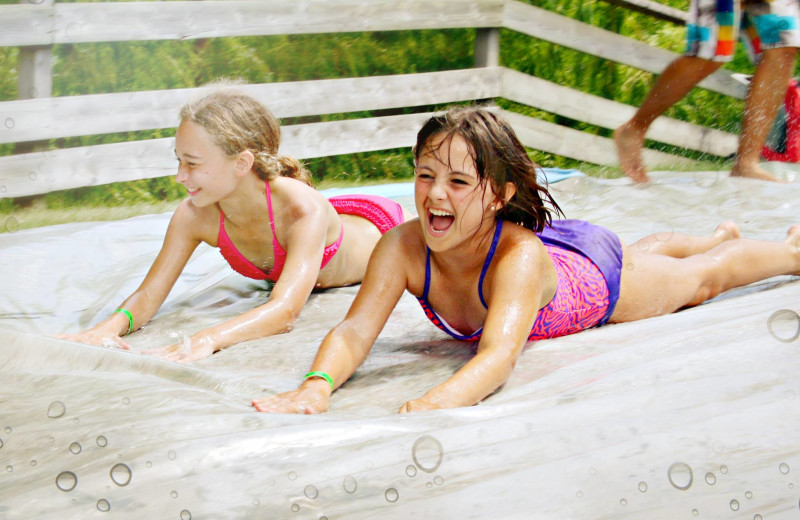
pixel 384 213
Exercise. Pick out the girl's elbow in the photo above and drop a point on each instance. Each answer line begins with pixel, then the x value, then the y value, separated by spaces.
pixel 284 319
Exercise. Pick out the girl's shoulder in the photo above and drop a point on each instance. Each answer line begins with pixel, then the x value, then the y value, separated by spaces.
pixel 199 223
pixel 518 241
pixel 516 234
pixel 296 198
pixel 407 237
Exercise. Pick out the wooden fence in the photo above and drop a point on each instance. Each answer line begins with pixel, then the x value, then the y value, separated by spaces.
pixel 36 117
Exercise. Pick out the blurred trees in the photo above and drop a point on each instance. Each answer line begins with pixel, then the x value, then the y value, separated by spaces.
pixel 153 65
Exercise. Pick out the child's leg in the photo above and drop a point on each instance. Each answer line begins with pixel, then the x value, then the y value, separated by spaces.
pixel 672 85
pixel 653 285
pixel 678 245
pixel 764 98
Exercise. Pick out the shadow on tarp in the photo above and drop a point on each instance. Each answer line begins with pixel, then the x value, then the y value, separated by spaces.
pixel 690 415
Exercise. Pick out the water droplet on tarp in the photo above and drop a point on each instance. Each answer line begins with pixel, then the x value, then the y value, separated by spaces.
pixel 186 515
pixel 66 481
pixel 391 495
pixel 121 474
pixel 349 484
pixel 295 508
pixel 427 453
pixel 75 448
pixel 734 505
pixel 680 476
pixel 291 475
pixel 311 492
pixel 643 487
pixel 711 479
pixel 103 505
pixel 784 325
pixel 102 441
pixel 411 470
pixel 784 468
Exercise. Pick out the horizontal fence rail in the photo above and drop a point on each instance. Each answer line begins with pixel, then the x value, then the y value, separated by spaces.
pixel 36 119
pixel 134 21
pixel 35 27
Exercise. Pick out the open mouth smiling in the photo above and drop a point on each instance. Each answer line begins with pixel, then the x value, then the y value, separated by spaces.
pixel 439 221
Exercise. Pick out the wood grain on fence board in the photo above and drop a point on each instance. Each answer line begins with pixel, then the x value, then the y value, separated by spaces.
pixel 598 111
pixel 43 172
pixel 37 119
pixel 582 146
pixel 184 20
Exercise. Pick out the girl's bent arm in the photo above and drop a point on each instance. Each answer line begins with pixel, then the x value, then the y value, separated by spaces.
pixel 179 243
pixel 516 289
pixel 305 242
pixel 347 345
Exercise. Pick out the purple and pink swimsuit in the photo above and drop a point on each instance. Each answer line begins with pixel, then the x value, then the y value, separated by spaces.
pixel 588 263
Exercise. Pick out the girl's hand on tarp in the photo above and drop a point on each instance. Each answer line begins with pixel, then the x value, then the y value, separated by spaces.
pixel 308 399
pixel 422 404
pixel 189 350
pixel 98 338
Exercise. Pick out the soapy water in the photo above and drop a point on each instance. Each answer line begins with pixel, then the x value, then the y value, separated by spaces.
pixel 687 415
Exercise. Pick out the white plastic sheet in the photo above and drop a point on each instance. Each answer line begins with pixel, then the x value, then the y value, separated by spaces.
pixel 691 415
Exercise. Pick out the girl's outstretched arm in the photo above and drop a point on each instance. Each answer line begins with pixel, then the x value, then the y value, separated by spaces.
pixel 517 280
pixel 179 243
pixel 305 243
pixel 347 345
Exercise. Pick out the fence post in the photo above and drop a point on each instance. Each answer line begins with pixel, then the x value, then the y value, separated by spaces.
pixel 34 76
pixel 487 47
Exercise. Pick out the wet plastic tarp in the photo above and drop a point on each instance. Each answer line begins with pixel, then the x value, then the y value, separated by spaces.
pixel 691 415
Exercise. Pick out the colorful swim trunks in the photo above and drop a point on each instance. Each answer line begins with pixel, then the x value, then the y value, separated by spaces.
pixel 715 25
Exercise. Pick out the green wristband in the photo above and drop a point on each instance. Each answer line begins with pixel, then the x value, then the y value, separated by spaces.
pixel 323 375
pixel 127 313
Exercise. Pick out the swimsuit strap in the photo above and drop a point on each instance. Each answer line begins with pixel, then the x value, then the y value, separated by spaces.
pixel 488 260
pixel 427 273
pixel 276 246
pixel 486 263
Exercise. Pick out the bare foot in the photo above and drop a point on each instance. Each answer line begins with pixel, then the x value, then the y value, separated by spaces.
pixel 793 239
pixel 727 231
pixel 630 142
pixel 753 171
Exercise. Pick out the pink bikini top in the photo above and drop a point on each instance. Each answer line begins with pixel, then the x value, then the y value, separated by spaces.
pixel 247 268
